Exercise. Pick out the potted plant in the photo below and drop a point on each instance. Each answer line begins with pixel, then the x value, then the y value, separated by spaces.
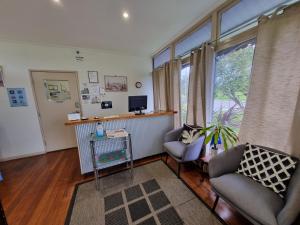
pixel 218 134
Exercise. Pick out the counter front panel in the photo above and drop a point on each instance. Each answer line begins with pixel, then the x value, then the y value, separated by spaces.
pixel 147 135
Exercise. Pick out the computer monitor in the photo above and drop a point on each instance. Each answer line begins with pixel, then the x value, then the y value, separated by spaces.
pixel 137 103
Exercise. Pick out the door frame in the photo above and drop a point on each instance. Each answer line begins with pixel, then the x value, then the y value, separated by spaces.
pixel 36 102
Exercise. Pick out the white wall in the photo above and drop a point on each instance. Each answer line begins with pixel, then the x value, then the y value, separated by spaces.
pixel 19 127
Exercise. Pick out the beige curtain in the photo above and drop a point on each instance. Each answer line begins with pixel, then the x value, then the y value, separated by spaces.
pixel 201 67
pixel 166 89
pixel 155 81
pixel 176 70
pixel 272 113
pixel 159 91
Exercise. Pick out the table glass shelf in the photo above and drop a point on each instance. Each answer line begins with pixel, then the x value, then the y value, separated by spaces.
pixel 104 159
pixel 94 137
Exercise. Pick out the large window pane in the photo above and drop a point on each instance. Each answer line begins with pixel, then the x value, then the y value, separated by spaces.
pixel 162 58
pixel 198 37
pixel 246 10
pixel 184 86
pixel 231 85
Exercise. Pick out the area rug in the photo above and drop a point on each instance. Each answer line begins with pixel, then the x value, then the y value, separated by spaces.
pixel 154 196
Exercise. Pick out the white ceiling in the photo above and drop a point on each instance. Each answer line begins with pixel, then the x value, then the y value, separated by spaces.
pixel 99 23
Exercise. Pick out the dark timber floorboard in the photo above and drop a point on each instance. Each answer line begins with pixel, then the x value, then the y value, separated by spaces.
pixel 38 190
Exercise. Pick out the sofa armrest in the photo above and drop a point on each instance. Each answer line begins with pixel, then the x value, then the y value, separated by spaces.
pixel 193 150
pixel 173 135
pixel 290 211
pixel 226 162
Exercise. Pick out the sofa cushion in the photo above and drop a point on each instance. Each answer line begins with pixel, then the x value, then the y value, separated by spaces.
pixel 190 133
pixel 257 201
pixel 271 169
pixel 175 148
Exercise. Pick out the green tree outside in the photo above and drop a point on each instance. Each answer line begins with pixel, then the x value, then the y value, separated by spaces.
pixel 232 80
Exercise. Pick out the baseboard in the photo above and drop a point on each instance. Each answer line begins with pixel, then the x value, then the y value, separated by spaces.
pixel 5 159
pixel 63 149
pixel 31 154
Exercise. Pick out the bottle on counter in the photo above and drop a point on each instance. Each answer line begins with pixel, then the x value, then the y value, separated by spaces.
pixel 99 130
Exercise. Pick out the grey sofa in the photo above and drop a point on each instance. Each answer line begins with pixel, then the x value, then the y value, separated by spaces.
pixel 258 204
pixel 179 151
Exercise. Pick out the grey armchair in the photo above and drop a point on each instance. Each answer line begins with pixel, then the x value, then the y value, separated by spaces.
pixel 179 151
pixel 258 204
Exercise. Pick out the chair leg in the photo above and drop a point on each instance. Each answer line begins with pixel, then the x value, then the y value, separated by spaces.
pixel 215 204
pixel 178 170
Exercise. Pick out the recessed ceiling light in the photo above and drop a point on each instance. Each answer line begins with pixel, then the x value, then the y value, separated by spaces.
pixel 56 1
pixel 125 15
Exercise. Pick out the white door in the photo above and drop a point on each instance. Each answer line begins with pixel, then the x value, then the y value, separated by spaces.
pixel 56 95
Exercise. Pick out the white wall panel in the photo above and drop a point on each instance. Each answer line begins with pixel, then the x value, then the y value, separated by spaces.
pixel 19 127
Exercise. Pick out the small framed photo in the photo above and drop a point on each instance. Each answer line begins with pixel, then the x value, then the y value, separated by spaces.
pixel 93 76
pixel 115 83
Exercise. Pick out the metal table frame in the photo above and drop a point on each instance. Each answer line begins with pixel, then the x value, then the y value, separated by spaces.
pixel 96 166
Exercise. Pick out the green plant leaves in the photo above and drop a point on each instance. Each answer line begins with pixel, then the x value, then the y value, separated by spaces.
pixel 224 141
pixel 231 134
pixel 216 136
pixel 208 138
pixel 227 135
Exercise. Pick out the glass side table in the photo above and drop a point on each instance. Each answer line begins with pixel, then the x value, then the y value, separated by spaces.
pixel 104 159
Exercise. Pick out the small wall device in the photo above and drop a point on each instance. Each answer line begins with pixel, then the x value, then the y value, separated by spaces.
pixel 106 105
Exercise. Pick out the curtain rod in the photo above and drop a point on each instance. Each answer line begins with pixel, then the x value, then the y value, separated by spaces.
pixel 233 30
pixel 213 41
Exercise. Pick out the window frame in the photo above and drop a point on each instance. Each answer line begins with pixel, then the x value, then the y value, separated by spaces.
pixel 167 48
pixel 219 13
pixel 239 39
pixel 219 45
pixel 202 25
pixel 184 63
pixel 213 15
pixel 247 22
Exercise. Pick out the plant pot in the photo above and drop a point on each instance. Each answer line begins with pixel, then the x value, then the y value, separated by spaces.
pixel 214 147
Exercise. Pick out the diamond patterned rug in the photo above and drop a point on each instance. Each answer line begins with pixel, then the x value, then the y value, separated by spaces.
pixel 155 196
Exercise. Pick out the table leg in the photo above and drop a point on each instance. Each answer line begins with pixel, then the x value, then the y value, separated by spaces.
pixel 131 155
pixel 92 146
pixel 202 165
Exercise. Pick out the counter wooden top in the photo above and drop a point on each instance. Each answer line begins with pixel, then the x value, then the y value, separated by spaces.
pixel 118 117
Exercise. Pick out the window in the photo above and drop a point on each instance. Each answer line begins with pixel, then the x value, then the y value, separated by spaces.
pixel 246 11
pixel 198 37
pixel 231 84
pixel 162 58
pixel 184 86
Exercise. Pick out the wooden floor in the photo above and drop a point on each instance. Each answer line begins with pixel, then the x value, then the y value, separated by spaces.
pixel 38 190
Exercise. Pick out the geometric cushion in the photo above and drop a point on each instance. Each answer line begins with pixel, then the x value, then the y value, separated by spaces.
pixel 258 202
pixel 271 169
pixel 190 133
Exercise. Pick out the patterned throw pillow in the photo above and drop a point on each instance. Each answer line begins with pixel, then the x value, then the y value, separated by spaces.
pixel 189 134
pixel 272 170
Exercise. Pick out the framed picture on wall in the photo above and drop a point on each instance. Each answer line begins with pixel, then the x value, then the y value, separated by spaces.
pixel 93 76
pixel 115 83
pixel 1 77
